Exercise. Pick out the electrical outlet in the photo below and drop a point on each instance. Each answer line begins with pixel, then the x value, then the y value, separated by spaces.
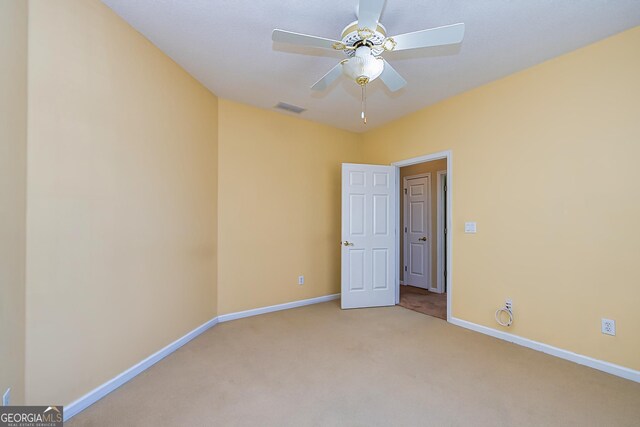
pixel 6 397
pixel 608 326
pixel 509 304
pixel 300 280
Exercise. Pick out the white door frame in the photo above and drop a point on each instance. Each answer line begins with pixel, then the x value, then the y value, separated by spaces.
pixel 440 268
pixel 405 219
pixel 415 160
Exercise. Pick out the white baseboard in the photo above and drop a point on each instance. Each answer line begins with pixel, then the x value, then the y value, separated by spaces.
pixel 99 392
pixel 106 388
pixel 600 365
pixel 278 307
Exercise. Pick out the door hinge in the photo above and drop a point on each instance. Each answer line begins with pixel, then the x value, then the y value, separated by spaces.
pixel 405 191
pixel 405 268
pixel 445 187
pixel 445 231
pixel 405 229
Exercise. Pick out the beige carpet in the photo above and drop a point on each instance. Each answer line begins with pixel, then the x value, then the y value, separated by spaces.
pixel 322 366
pixel 423 301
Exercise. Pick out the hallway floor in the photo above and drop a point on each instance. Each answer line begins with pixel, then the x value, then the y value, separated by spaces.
pixel 423 301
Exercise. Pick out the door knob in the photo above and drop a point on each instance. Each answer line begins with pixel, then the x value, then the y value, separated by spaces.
pixel 423 239
pixel 346 243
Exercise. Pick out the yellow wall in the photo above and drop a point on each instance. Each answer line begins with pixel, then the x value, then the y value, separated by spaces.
pixel 131 174
pixel 279 206
pixel 13 169
pixel 546 162
pixel 433 168
pixel 122 203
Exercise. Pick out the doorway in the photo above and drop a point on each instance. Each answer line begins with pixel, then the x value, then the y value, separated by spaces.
pixel 423 237
pixel 372 264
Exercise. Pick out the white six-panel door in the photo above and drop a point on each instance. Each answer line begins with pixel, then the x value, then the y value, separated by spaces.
pixel 368 235
pixel 417 231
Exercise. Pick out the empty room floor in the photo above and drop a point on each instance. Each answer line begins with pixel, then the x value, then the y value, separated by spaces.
pixel 423 301
pixel 322 366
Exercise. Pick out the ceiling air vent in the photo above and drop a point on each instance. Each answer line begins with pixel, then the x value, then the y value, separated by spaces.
pixel 290 108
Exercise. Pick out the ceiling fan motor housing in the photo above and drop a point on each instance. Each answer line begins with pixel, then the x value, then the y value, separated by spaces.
pixel 356 37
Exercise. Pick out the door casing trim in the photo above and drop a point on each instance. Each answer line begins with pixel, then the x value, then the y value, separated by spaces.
pixel 440 212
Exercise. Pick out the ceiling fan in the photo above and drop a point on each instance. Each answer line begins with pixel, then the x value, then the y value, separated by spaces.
pixel 364 41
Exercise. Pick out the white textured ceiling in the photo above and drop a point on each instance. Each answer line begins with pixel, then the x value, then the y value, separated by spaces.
pixel 226 45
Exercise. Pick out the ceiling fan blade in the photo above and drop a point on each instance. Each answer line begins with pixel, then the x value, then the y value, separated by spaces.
pixel 369 13
pixel 449 34
pixel 282 36
pixel 391 78
pixel 328 78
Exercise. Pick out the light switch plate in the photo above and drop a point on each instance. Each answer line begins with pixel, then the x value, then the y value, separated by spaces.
pixel 469 227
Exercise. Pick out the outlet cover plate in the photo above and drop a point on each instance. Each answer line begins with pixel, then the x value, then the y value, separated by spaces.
pixel 509 303
pixel 608 326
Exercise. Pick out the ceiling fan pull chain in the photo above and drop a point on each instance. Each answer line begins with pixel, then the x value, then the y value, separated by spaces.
pixel 364 104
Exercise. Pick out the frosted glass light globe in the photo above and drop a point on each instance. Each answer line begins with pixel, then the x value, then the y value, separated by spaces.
pixel 363 64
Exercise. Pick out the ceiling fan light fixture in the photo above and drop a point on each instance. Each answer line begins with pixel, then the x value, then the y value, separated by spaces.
pixel 363 67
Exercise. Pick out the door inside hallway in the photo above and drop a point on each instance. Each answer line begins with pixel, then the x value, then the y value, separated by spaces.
pixel 417 231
